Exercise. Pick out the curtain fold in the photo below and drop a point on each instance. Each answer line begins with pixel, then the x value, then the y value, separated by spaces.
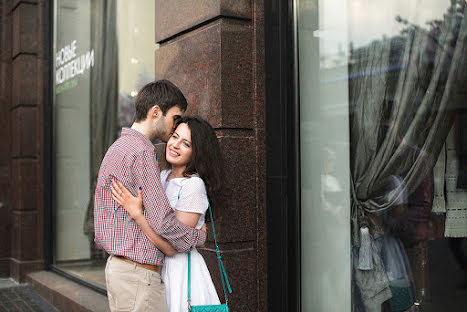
pixel 402 103
pixel 404 93
pixel 104 99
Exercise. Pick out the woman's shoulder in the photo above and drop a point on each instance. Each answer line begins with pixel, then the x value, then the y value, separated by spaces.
pixel 194 183
pixel 193 195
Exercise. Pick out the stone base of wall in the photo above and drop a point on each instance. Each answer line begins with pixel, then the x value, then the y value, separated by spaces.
pixel 65 294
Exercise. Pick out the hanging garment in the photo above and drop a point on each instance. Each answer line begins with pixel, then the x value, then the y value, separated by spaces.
pixel 456 198
pixel 373 285
pixel 419 223
pixel 462 149
pixel 396 264
pixel 448 197
pixel 439 173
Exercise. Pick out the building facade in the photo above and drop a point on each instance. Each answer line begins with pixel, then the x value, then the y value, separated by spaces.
pixel 73 69
pixel 341 124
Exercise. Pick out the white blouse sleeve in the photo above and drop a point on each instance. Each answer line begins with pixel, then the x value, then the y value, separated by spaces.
pixel 193 196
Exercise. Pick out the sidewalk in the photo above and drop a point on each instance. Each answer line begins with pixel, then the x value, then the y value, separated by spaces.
pixel 21 297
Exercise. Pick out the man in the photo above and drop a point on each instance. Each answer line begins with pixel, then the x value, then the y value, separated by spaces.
pixel 133 268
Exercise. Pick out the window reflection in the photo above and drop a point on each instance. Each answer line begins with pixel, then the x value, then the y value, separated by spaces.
pixel 405 91
pixel 402 66
pixel 93 100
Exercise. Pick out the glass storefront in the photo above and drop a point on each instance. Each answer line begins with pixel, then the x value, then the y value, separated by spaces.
pixel 104 53
pixel 383 154
pixel 324 145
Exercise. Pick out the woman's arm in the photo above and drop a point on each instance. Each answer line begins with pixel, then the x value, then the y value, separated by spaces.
pixel 134 207
pixel 188 218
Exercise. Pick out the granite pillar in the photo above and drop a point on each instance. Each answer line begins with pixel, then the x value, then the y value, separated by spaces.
pixel 5 99
pixel 27 74
pixel 213 50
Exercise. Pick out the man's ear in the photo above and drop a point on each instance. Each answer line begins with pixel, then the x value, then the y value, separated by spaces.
pixel 154 112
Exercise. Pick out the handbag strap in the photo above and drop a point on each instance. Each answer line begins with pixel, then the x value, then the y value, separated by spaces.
pixel 189 280
pixel 224 278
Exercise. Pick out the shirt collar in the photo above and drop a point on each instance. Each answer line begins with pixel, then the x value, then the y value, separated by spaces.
pixel 138 135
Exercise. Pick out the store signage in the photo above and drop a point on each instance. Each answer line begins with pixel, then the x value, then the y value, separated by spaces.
pixel 69 65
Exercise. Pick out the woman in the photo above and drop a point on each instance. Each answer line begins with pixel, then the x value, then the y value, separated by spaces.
pixel 196 172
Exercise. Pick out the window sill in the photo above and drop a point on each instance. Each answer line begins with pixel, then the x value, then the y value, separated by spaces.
pixel 65 294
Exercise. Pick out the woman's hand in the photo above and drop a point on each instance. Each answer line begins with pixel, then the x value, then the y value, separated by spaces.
pixel 133 205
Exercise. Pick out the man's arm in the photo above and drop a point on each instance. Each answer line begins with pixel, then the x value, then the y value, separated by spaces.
pixel 134 206
pixel 159 214
pixel 155 239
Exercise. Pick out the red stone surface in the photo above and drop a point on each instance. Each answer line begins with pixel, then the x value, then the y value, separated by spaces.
pixel 4 231
pixel 25 134
pixel 4 267
pixel 175 16
pixel 160 154
pixel 258 64
pixel 25 36
pixel 23 49
pixel 14 3
pixel 261 221
pixel 240 265
pixel 24 174
pixel 7 31
pixel 25 241
pixel 212 66
pixel 236 218
pixel 20 269
pixel 5 136
pixel 24 80
pixel 218 63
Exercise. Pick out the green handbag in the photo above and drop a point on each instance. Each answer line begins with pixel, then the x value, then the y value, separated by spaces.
pixel 225 281
pixel 210 308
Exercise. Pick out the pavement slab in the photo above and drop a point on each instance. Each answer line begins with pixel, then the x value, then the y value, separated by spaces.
pixel 20 297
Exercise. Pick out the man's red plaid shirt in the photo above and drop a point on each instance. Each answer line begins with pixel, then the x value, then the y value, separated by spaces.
pixel 132 160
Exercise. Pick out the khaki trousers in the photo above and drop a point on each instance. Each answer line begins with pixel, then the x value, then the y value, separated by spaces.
pixel 132 288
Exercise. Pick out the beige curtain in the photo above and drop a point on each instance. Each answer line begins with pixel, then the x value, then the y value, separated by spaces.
pixel 104 99
pixel 404 92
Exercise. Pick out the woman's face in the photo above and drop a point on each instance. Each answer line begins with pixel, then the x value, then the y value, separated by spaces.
pixel 178 151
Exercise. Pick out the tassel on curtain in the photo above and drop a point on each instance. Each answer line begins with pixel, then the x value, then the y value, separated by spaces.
pixel 403 94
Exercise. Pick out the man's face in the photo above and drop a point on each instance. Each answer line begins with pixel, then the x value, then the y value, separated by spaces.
pixel 165 124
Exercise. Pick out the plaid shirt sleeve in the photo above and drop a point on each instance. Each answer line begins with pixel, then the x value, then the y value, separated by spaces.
pixel 157 210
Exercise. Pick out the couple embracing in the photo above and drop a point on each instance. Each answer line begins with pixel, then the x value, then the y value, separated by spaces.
pixel 148 220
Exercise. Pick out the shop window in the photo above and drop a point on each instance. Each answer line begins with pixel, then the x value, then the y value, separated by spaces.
pixel 383 154
pixel 103 54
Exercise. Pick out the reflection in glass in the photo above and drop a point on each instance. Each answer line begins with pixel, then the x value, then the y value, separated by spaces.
pixel 324 144
pixel 136 53
pixel 397 69
pixel 72 129
pixel 405 91
pixel 104 53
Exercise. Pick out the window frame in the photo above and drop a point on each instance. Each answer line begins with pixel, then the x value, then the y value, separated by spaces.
pixel 282 156
pixel 50 161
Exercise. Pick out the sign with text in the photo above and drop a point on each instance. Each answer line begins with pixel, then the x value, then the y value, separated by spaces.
pixel 69 65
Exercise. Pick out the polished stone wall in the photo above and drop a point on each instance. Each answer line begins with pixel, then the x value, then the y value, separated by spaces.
pixel 24 76
pixel 213 50
pixel 5 98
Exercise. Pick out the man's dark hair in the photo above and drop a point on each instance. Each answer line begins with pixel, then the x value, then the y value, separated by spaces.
pixel 162 93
